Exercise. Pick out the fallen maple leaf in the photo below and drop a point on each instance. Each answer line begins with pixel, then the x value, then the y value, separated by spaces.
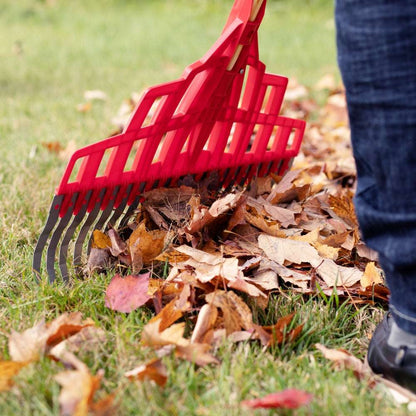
pixel 125 294
pixel 145 246
pixel 286 399
pixel 35 342
pixel 154 370
pixel 344 360
pixel 78 388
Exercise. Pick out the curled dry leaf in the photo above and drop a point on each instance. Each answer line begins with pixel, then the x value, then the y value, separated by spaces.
pixel 154 370
pixel 203 331
pixel 344 360
pixel 145 246
pixel 236 313
pixel 78 389
pixel 202 216
pixel 278 333
pixel 286 399
pixel 35 342
pixel 125 294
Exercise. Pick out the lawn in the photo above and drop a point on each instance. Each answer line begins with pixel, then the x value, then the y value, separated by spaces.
pixel 51 53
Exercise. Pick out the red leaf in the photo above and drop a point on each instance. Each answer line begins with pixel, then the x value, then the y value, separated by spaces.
pixel 125 294
pixel 286 399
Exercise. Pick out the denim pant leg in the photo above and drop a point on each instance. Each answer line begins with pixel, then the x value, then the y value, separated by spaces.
pixel 376 42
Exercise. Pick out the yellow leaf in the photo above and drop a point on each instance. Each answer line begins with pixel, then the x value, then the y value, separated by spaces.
pixel 372 275
pixel 100 240
pixel 8 369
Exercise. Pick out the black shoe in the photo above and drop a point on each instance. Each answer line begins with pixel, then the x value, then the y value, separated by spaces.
pixel 395 364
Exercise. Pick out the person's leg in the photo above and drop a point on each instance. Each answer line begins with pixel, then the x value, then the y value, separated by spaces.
pixel 376 42
pixel 377 56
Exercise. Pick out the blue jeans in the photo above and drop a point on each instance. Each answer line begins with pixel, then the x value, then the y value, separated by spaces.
pixel 376 42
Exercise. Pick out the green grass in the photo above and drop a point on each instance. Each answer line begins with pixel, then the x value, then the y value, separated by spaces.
pixel 50 54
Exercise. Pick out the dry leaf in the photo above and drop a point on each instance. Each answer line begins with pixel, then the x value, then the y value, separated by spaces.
pixel 203 331
pixel 372 276
pixel 154 370
pixel 78 388
pixel 196 353
pixel 34 342
pixel 153 337
pixel 125 294
pixel 146 245
pixel 9 369
pixel 286 399
pixel 236 313
pixel 344 360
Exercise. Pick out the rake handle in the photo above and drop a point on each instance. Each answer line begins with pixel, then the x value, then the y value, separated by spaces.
pixel 255 8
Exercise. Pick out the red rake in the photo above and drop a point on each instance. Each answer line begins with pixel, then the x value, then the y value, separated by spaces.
pixel 220 117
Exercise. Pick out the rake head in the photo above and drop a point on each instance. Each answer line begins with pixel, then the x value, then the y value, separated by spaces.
pixel 220 117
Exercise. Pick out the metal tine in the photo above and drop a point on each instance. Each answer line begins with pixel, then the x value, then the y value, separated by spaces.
pixel 56 236
pixel 133 206
pixel 86 227
pixel 232 183
pixel 63 251
pixel 43 238
pixel 120 209
pixel 104 215
pixel 246 175
pixel 224 177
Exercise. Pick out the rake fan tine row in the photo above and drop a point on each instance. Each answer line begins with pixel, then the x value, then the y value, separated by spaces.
pixel 85 228
pixel 54 241
pixel 63 251
pixel 104 215
pixel 53 218
pixel 120 209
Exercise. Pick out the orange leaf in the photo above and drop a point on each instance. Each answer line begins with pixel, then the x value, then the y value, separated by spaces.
pixel 154 370
pixel 8 369
pixel 100 240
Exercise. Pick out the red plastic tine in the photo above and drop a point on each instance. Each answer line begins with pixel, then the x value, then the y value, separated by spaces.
pixel 221 115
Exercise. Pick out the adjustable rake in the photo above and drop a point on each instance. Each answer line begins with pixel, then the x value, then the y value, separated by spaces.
pixel 220 117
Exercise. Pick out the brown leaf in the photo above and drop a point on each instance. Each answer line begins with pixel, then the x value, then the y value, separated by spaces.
pixel 78 388
pixel 196 353
pixel 344 360
pixel 98 259
pixel 146 245
pixel 9 369
pixel 235 311
pixel 203 331
pixel 343 207
pixel 154 370
pixel 170 313
pixel 117 245
pixel 286 399
pixel 34 342
pixel 277 334
pixel 203 217
pixel 125 294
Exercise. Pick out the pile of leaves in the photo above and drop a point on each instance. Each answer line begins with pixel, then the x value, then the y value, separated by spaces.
pixel 204 260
